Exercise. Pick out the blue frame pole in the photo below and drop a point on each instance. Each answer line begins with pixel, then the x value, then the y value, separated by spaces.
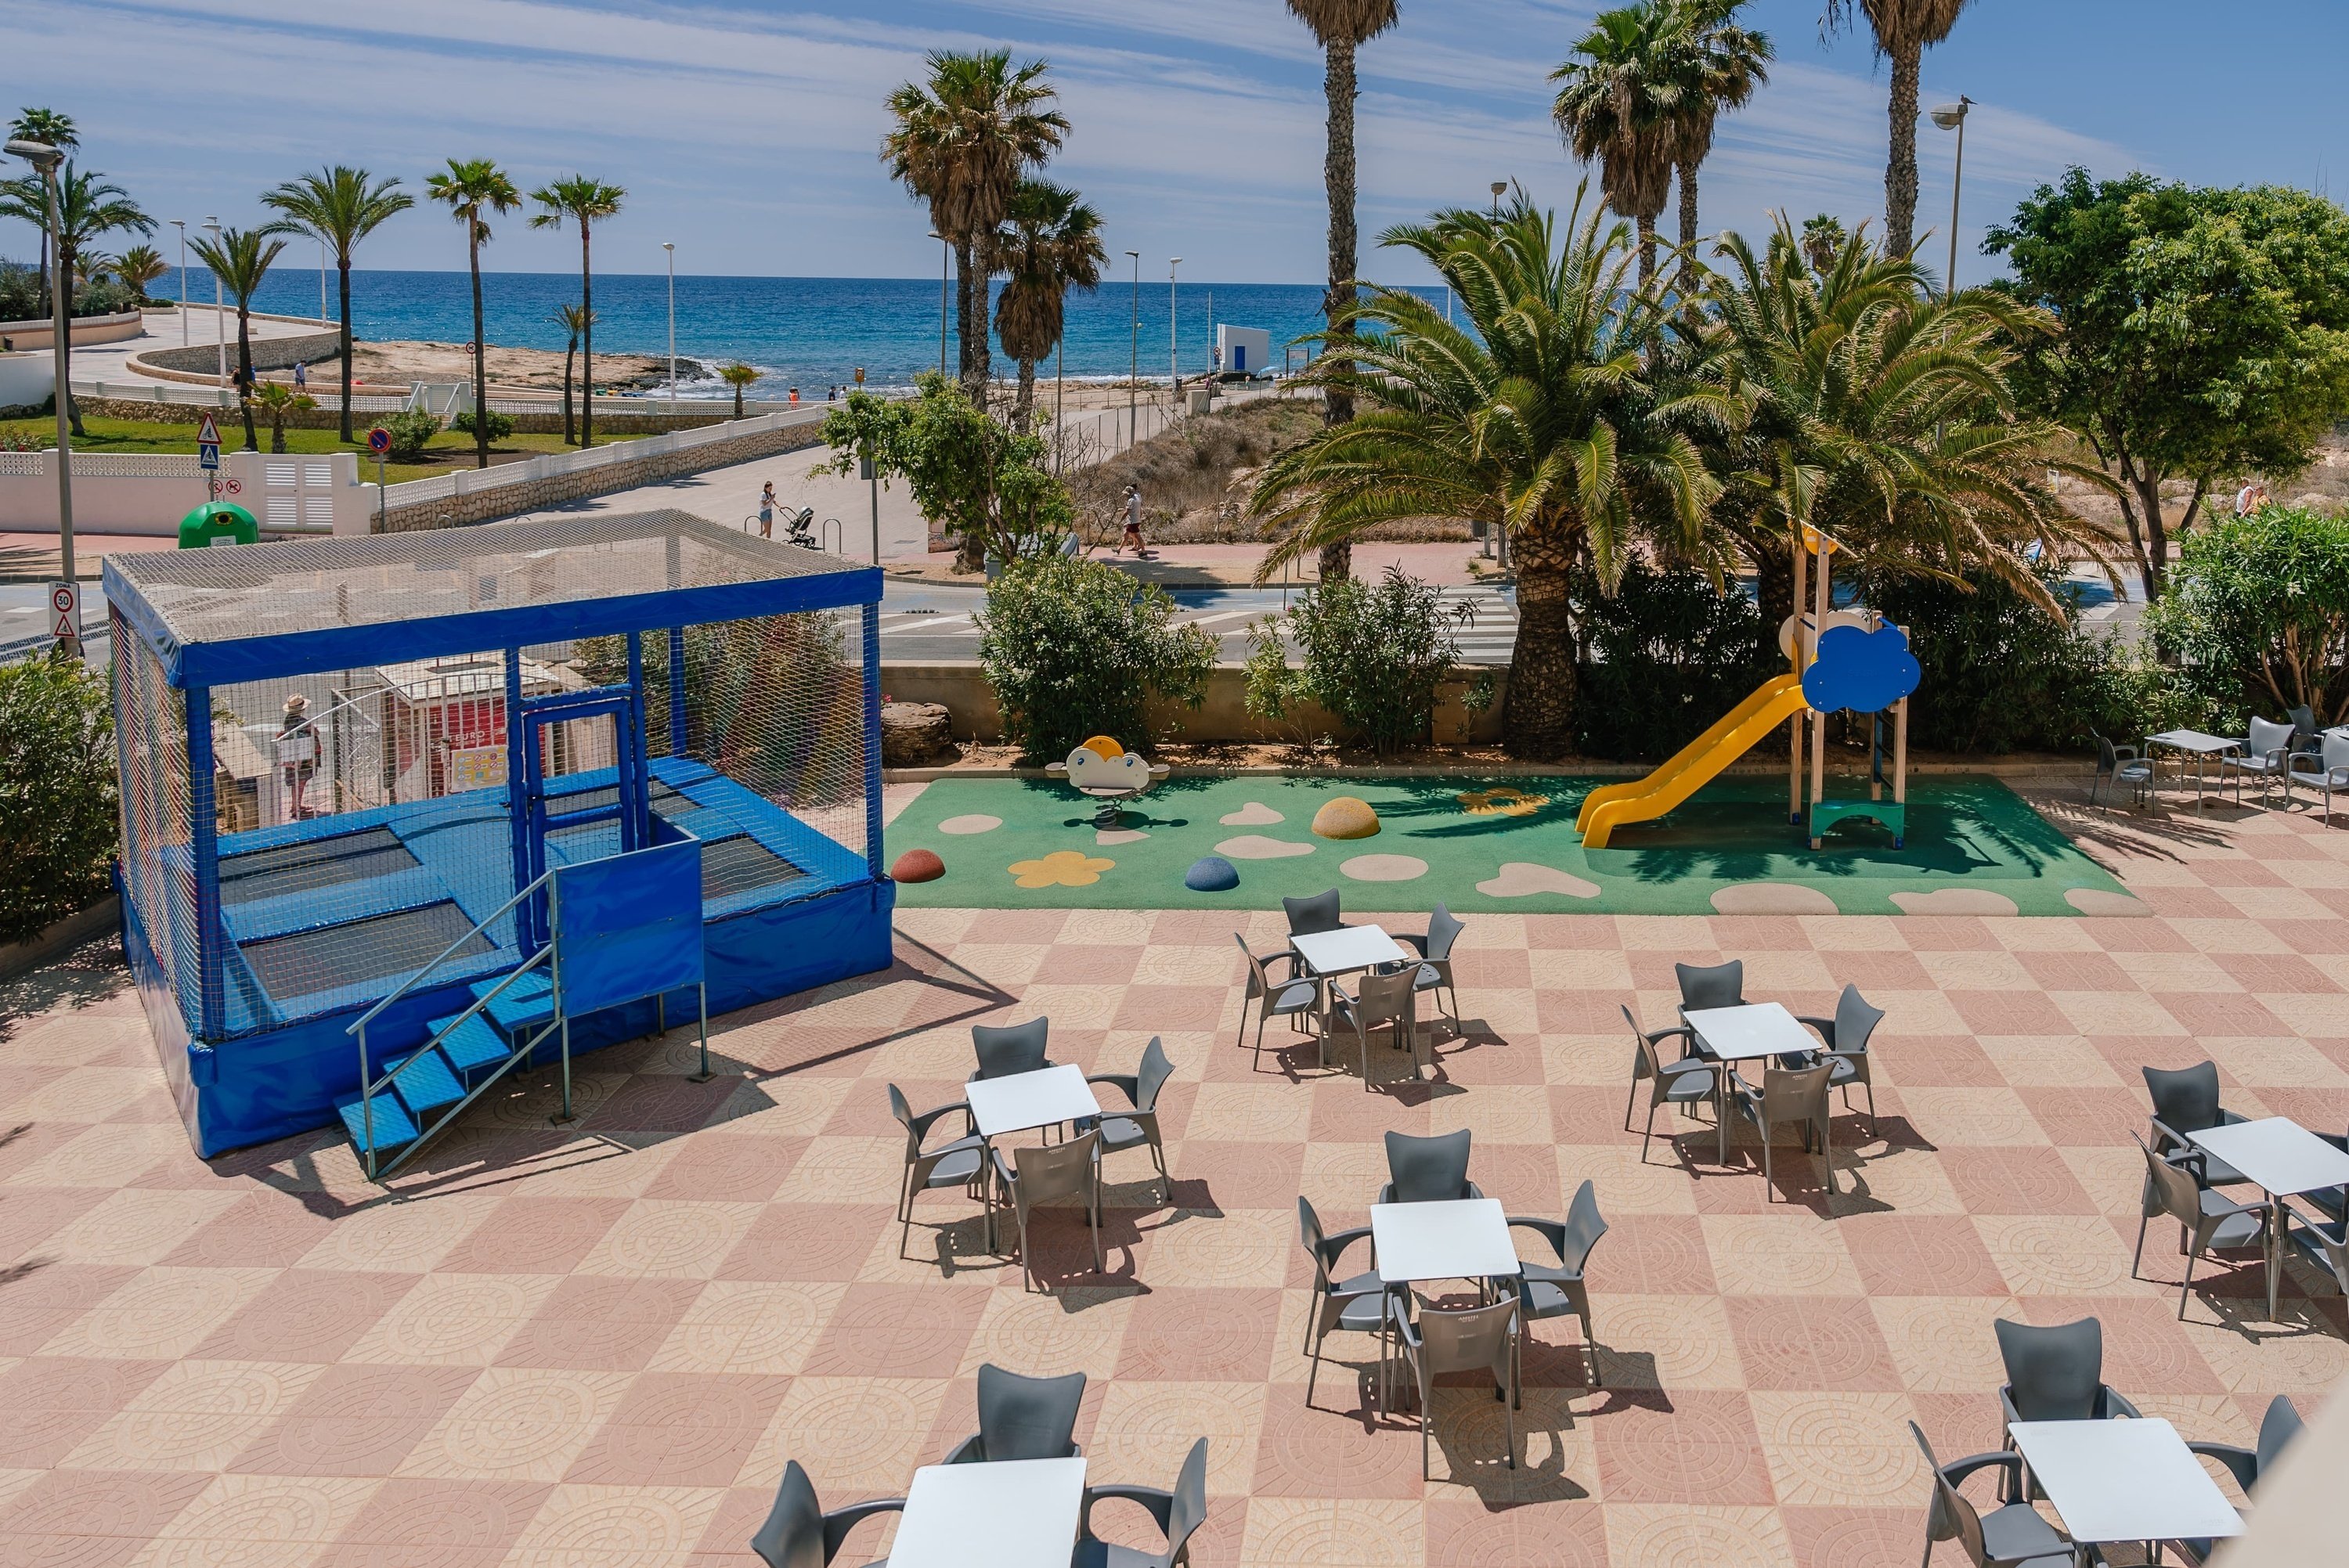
pixel 524 918
pixel 872 738
pixel 680 744
pixel 204 850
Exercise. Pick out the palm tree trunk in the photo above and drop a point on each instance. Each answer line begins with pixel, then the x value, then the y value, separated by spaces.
pixel 738 399
pixel 1027 395
pixel 970 320
pixel 244 370
pixel 569 349
pixel 277 432
pixel 1647 221
pixel 343 268
pixel 480 354
pixel 1337 174
pixel 586 345
pixel 1900 169
pixel 1538 718
pixel 1688 210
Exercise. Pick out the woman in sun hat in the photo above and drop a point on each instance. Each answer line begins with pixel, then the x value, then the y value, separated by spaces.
pixel 297 751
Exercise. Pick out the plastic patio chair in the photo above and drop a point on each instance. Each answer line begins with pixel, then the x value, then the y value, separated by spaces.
pixel 1433 970
pixel 1711 985
pixel 1022 1418
pixel 955 1164
pixel 2324 769
pixel 1846 1037
pixel 2322 1239
pixel 2206 1222
pixel 1787 1094
pixel 1358 1304
pixel 1464 1339
pixel 1547 1290
pixel 799 1534
pixel 2185 1099
pixel 1034 1175
pixel 1008 1048
pixel 1389 1001
pixel 1177 1513
pixel 1310 916
pixel 2056 1374
pixel 1291 998
pixel 1138 1128
pixel 2014 1535
pixel 2263 757
pixel 2118 765
pixel 1685 1082
pixel 2278 1428
pixel 1427 1170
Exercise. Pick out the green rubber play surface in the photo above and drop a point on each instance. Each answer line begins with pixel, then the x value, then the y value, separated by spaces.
pixel 1973 847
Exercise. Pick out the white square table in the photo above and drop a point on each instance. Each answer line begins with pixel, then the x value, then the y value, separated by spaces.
pixel 1014 1513
pixel 1463 1238
pixel 1020 1101
pixel 2284 1158
pixel 1347 949
pixel 1756 1029
pixel 2123 1480
pixel 2200 746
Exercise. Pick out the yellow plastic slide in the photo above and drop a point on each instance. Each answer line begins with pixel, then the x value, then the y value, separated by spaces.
pixel 1608 808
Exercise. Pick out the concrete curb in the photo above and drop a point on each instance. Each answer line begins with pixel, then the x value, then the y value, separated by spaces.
pixel 60 938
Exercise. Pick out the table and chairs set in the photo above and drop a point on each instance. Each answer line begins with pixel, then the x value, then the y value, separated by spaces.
pixel 1307 984
pixel 2273 753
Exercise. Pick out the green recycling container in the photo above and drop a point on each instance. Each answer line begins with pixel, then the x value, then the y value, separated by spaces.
pixel 218 523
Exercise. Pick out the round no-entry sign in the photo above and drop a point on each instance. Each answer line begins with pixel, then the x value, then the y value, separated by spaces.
pixel 378 440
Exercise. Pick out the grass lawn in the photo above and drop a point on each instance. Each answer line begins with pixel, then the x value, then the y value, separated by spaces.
pixel 449 449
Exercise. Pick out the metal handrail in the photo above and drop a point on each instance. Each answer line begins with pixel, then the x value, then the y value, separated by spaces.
pixel 409 984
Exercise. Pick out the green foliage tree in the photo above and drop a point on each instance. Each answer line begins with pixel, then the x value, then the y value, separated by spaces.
pixel 136 268
pixel 2203 333
pixel 89 207
pixel 58 822
pixel 1535 415
pixel 1903 31
pixel 411 431
pixel 1373 655
pixel 1622 104
pixel 47 125
pixel 574 319
pixel 340 206
pixel 2259 610
pixel 988 485
pixel 1076 648
pixel 241 259
pixel 1048 243
pixel 737 376
pixel 1721 64
pixel 275 399
pixel 1666 652
pixel 585 203
pixel 472 190
pixel 960 142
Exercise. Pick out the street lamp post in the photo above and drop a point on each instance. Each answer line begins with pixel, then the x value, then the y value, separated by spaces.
pixel 1134 367
pixel 44 159
pixel 945 253
pixel 1499 187
pixel 671 249
pixel 1173 343
pixel 182 224
pixel 1952 117
pixel 220 306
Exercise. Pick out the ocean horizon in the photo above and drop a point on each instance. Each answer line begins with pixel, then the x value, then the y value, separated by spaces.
pixel 809 332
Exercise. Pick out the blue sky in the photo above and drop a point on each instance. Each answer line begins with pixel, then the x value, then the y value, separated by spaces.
pixel 746 132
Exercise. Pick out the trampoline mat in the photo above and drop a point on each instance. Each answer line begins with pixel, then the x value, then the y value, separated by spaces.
pixel 337 955
pixel 739 865
pixel 309 866
pixel 666 800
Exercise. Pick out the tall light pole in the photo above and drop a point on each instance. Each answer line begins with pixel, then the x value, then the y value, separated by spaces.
pixel 945 253
pixel 44 159
pixel 671 249
pixel 1952 117
pixel 182 224
pixel 1134 367
pixel 220 307
pixel 1173 343
pixel 1500 188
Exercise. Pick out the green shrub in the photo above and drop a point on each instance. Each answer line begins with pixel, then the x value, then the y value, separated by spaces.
pixel 501 424
pixel 2256 610
pixel 20 292
pixel 104 296
pixel 58 826
pixel 1663 656
pixel 1373 655
pixel 1075 648
pixel 411 431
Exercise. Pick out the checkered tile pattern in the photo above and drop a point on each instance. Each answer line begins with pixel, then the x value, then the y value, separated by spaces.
pixel 598 1345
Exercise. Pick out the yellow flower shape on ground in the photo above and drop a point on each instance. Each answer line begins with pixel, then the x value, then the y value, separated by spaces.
pixel 1062 867
pixel 1502 801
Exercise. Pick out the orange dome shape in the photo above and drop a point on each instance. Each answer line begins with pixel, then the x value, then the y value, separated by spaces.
pixel 1101 746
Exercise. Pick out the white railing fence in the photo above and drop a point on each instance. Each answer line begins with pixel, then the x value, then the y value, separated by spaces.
pixel 179 394
pixel 472 481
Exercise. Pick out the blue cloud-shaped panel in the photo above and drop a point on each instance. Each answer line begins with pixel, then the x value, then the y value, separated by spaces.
pixel 1863 671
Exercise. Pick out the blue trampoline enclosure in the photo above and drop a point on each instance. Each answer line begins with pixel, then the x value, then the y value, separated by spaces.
pixel 354 768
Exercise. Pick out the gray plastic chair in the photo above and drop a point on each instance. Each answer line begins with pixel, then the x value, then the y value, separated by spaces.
pixel 1427 1170
pixel 1358 1304
pixel 799 1534
pixel 1009 1048
pixel 2278 1428
pixel 2265 754
pixel 956 1164
pixel 1468 1339
pixel 2324 770
pixel 2206 1221
pixel 1022 1418
pixel 1380 1001
pixel 2304 727
pixel 1287 999
pixel 2324 1243
pixel 1846 1037
pixel 1685 1082
pixel 2056 1374
pixel 1310 916
pixel 1177 1513
pixel 1787 1094
pixel 1434 971
pixel 2013 1536
pixel 2185 1099
pixel 1711 985
pixel 2117 766
pixel 1137 1128
pixel 1545 1290
pixel 1039 1174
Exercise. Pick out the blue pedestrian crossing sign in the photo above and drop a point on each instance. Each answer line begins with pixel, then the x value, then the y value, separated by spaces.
pixel 208 444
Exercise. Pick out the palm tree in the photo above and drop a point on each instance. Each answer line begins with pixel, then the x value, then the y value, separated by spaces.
pixel 1904 30
pixel 1723 64
pixel 1535 415
pixel 44 124
pixel 1822 239
pixel 585 203
pixel 137 267
pixel 472 188
pixel 574 319
pixel 240 258
pixel 1340 27
pixel 1048 242
pixel 961 143
pixel 737 376
pixel 276 399
pixel 1620 107
pixel 341 206
pixel 88 206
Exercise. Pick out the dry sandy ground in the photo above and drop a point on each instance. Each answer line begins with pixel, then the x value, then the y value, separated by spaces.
pixel 398 363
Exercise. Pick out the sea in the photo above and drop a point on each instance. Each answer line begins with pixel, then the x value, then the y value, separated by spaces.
pixel 809 332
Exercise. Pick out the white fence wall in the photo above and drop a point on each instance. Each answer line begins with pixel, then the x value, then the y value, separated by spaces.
pixel 141 493
pixel 471 482
pixel 173 392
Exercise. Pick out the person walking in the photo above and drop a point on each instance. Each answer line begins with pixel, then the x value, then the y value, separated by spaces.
pixel 1132 539
pixel 300 377
pixel 297 753
pixel 767 511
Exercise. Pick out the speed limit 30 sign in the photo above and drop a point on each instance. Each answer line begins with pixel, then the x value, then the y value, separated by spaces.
pixel 64 612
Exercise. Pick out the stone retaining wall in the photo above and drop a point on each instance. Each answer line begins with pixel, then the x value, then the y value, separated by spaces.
pixel 268 354
pixel 513 499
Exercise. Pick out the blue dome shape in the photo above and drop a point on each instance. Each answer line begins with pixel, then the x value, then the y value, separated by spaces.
pixel 1213 874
